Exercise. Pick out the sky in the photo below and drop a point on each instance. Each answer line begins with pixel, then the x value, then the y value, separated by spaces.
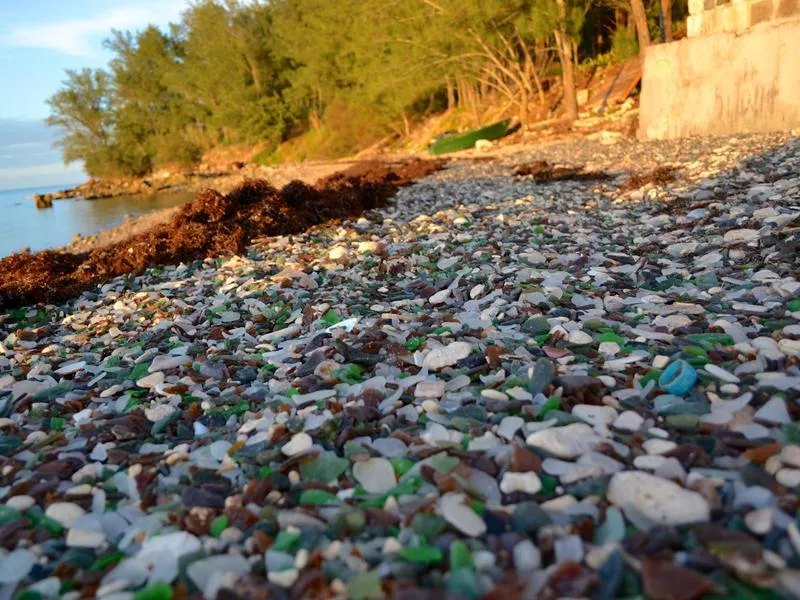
pixel 38 41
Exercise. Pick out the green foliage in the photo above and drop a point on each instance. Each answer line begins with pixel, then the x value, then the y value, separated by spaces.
pixel 624 44
pixel 332 77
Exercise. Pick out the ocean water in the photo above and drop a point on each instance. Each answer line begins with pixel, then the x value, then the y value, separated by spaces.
pixel 22 225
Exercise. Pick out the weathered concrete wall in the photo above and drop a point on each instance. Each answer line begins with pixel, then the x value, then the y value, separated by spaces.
pixel 735 16
pixel 723 83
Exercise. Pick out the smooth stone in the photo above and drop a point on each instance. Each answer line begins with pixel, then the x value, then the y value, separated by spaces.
pixel 284 578
pixel 790 455
pixel 527 557
pixel 609 348
pixel 456 511
pixel 64 512
pixel 20 503
pixel 486 485
pixel 681 249
pixel 659 500
pixel 721 374
pixel 429 389
pixel 151 381
pixel 594 414
pixel 78 537
pixel 629 421
pixel 71 368
pixel 788 477
pixel 390 447
pixel 458 382
pixel 579 338
pixel 446 356
pixel 210 574
pixel 439 297
pixel 509 426
pixel 376 475
pixel 740 235
pixel 16 565
pixel 528 483
pixel 566 442
pixel 759 521
pixel 657 446
pixel 159 411
pixel 164 363
pixel 568 549
pixel 541 374
pixel 300 442
pixel 773 411
pixel 612 529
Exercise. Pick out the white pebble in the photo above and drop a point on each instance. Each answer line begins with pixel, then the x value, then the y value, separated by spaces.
pixel 528 483
pixel 376 475
pixel 439 358
pixel 658 500
pixel 629 421
pixel 429 389
pixel 300 442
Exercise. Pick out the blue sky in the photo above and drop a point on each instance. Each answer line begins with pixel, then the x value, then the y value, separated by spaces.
pixel 38 41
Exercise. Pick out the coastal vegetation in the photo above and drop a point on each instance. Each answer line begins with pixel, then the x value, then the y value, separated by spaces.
pixel 315 78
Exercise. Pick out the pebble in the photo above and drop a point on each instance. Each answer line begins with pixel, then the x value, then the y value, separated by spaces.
pixel 456 511
pixel 16 565
pixel 660 501
pixel 788 477
pixel 429 389
pixel 567 442
pixel 595 415
pixel 165 363
pixel 774 411
pixel 629 421
pixel 376 475
pixel 300 443
pixel 580 338
pixel 529 483
pixel 151 381
pixel 447 356
pixel 527 557
pixel 64 512
pixel 759 521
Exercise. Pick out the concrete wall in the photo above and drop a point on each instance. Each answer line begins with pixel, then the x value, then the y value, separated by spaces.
pixel 723 83
pixel 734 16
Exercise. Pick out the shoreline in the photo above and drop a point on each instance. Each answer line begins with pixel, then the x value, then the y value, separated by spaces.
pixel 278 176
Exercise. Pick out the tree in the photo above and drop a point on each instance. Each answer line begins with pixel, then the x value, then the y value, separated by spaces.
pixel 666 12
pixel 640 21
pixel 81 110
pixel 565 44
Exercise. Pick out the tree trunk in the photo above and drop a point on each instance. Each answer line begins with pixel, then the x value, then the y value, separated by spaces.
pixel 567 63
pixel 666 10
pixel 524 113
pixel 640 19
pixel 451 94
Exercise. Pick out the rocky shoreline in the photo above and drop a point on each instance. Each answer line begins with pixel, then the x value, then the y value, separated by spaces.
pixel 525 377
pixel 279 175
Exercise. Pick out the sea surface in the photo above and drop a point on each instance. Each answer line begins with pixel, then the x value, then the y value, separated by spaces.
pixel 22 225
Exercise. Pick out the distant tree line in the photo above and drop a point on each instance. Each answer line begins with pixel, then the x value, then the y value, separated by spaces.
pixel 234 72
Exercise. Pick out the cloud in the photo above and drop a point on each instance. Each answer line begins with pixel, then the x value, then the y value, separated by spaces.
pixel 27 157
pixel 78 37
pixel 41 175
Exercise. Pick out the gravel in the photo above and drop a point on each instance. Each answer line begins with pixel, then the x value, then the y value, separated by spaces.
pixel 492 386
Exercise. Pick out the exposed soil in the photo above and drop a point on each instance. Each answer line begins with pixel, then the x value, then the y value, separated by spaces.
pixel 658 176
pixel 542 172
pixel 209 225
